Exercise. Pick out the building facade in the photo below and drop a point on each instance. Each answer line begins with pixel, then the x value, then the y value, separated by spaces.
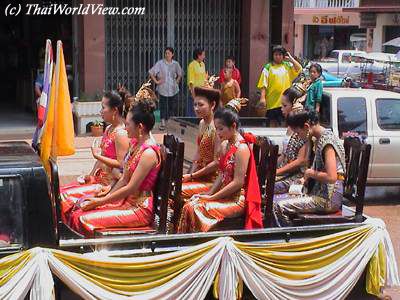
pixel 102 51
pixel 324 25
pixel 381 19
pixel 121 49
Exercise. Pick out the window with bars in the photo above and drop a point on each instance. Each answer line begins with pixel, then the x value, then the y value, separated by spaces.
pixel 135 43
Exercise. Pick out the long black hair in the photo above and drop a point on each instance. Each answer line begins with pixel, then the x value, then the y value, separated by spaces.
pixel 297 119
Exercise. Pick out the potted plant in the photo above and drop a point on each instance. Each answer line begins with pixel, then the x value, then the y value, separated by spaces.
pixel 97 128
pixel 86 110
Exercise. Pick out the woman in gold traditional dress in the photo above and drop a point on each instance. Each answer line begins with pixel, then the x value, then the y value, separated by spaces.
pixel 236 191
pixel 205 165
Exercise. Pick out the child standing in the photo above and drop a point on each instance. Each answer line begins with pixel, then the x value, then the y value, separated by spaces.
pixel 314 92
pixel 230 64
pixel 230 88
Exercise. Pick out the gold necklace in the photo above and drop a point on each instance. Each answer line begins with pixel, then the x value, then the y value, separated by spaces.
pixel 234 140
pixel 112 128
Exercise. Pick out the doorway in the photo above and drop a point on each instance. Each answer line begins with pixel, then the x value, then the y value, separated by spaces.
pixel 21 58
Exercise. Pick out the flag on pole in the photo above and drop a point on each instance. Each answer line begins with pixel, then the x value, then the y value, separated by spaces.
pixel 44 97
pixel 58 133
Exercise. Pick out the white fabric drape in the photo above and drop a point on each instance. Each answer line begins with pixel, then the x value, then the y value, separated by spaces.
pixel 193 283
pixel 34 276
pixel 333 281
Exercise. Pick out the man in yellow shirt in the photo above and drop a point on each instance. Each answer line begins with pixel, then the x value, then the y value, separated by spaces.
pixel 196 75
pixel 275 78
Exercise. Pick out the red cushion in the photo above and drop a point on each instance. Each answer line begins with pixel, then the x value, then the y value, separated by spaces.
pixel 144 228
pixel 322 215
pixel 4 238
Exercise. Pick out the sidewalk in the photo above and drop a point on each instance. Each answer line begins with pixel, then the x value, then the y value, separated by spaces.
pixel 70 167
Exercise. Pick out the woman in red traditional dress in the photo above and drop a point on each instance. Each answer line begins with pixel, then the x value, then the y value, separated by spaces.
pixel 129 203
pixel 236 190
pixel 108 165
pixel 205 164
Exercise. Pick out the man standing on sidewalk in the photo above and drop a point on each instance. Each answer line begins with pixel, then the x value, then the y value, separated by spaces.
pixel 275 78
pixel 196 76
pixel 167 73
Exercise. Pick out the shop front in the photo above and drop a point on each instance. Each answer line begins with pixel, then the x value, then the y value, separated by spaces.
pixel 316 35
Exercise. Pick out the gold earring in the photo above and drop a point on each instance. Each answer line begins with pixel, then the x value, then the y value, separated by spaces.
pixel 113 118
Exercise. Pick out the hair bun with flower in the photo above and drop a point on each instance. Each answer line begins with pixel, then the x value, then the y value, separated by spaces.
pixel 236 104
pixel 210 82
pixel 126 96
pixel 145 92
pixel 145 98
pixel 301 88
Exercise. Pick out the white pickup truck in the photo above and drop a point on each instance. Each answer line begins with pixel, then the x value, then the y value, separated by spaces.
pixel 342 62
pixel 372 114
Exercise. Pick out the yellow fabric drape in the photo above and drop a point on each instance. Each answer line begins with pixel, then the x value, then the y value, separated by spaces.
pixel 127 278
pixel 12 264
pixel 376 272
pixel 294 260
pixel 239 287
pixel 297 260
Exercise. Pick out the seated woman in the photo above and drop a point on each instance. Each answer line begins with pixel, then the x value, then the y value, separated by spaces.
pixel 327 171
pixel 129 203
pixel 205 164
pixel 107 169
pixel 236 189
pixel 294 150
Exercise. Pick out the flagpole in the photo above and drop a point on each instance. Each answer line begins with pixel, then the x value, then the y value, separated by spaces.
pixel 57 74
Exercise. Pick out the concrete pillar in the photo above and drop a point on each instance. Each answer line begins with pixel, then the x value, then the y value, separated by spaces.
pixel 288 25
pixel 93 73
pixel 370 39
pixel 255 42
pixel 298 40
pixel 378 34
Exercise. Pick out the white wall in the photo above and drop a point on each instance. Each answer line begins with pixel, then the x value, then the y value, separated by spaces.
pixel 298 40
pixel 381 20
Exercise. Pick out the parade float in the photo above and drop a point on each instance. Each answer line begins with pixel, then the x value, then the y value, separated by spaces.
pixel 331 256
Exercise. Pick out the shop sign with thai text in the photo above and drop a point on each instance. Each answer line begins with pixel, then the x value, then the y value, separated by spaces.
pixel 331 20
